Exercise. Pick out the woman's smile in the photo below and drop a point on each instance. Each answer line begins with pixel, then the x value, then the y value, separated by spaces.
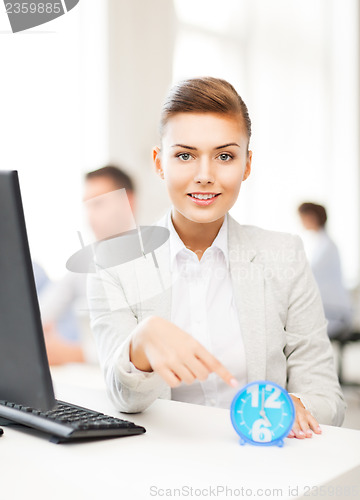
pixel 203 199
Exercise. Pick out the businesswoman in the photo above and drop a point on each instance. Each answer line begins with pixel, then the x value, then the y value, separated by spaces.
pixel 233 303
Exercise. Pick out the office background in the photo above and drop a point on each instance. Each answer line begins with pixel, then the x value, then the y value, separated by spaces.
pixel 87 88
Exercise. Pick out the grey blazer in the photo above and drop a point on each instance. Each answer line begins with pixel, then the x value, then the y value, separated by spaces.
pixel 280 311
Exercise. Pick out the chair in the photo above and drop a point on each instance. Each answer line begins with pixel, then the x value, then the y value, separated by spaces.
pixel 343 339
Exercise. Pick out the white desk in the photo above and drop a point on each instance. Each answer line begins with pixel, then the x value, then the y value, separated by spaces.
pixel 185 446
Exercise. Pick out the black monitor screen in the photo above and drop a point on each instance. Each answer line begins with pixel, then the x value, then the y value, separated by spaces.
pixel 24 371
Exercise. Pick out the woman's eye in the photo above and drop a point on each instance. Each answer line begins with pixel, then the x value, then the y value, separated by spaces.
pixel 184 156
pixel 225 157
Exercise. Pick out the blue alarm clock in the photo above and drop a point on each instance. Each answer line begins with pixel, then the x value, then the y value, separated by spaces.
pixel 262 413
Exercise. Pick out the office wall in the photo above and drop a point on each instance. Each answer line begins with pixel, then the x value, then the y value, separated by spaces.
pixel 53 122
pixel 141 37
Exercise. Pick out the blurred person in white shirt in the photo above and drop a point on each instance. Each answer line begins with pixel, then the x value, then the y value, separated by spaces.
pixel 109 212
pixel 325 263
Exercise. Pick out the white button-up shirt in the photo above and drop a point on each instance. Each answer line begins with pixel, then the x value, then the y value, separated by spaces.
pixel 203 305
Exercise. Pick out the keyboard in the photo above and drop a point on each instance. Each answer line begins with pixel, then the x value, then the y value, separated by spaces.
pixel 68 422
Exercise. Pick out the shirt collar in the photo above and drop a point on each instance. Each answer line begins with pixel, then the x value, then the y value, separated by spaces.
pixel 177 245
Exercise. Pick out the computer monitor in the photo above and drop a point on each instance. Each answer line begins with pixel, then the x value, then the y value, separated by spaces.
pixel 24 370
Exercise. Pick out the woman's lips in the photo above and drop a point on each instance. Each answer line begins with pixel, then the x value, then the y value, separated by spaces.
pixel 203 203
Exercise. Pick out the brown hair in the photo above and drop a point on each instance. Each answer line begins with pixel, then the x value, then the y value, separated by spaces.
pixel 204 95
pixel 318 211
pixel 118 176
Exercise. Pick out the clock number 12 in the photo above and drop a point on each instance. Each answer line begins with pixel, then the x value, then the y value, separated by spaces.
pixel 270 401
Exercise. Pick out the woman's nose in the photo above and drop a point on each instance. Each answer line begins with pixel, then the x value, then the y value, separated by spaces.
pixel 204 173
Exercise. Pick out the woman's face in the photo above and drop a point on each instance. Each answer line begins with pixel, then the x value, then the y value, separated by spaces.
pixel 203 160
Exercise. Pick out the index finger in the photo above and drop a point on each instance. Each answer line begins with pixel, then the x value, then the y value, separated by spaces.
pixel 214 365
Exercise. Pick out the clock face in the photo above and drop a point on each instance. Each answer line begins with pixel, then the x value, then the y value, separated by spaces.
pixel 263 413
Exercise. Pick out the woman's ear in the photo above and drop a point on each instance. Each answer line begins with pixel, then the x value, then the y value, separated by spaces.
pixel 248 165
pixel 157 161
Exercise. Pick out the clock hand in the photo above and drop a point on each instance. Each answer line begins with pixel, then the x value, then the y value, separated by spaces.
pixel 262 411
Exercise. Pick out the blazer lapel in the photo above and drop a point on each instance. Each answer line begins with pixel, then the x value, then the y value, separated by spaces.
pixel 153 279
pixel 248 285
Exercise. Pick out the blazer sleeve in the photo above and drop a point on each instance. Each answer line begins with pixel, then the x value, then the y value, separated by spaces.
pixel 311 372
pixel 113 320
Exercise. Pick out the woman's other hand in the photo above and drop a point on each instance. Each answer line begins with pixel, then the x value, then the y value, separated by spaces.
pixel 305 424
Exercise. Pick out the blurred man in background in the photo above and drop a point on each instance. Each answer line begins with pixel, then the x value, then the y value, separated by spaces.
pixel 109 212
pixel 324 259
